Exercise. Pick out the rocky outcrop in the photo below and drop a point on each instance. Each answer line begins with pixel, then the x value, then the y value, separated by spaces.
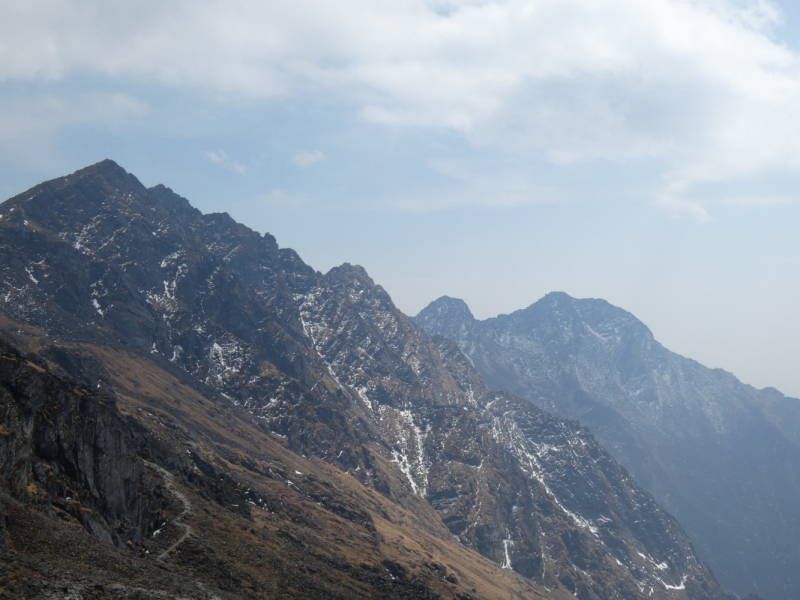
pixel 66 449
pixel 720 455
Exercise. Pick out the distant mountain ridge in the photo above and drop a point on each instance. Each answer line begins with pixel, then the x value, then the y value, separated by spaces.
pixel 134 291
pixel 720 455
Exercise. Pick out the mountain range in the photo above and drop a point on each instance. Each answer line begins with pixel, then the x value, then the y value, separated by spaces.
pixel 189 410
pixel 722 456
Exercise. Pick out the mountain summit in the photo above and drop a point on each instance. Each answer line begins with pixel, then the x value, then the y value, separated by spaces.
pixel 719 454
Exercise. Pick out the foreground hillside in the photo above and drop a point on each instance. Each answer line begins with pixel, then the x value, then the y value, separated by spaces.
pixel 720 455
pixel 303 414
pixel 189 500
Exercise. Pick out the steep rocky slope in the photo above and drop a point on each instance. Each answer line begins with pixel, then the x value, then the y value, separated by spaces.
pixel 100 265
pixel 720 455
pixel 198 502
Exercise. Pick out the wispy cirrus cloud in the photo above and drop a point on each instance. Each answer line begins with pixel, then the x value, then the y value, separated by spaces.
pixel 221 159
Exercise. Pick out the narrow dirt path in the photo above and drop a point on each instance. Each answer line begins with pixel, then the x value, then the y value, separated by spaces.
pixel 169 481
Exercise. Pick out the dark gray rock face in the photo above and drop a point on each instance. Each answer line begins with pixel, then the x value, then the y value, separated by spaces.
pixel 329 363
pixel 66 449
pixel 720 455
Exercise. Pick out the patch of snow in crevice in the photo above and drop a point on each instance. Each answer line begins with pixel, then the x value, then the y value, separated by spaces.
pixel 512 438
pixel 507 558
pixel 227 257
pixel 111 239
pixel 177 351
pixel 311 330
pixel 362 393
pixel 471 398
pixel 95 295
pixel 98 308
pixel 171 259
pixel 80 241
pixel 413 362
pixel 409 451
pixel 681 586
pixel 663 566
pixel 225 358
pixel 167 300
pixel 401 460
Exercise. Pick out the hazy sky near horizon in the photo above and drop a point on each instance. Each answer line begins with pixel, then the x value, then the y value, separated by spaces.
pixel 642 151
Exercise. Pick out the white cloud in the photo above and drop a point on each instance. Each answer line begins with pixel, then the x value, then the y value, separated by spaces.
pixel 221 159
pixel 698 84
pixel 306 159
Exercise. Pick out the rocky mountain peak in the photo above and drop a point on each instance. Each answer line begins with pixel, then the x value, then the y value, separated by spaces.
pixel 556 298
pixel 445 316
pixel 449 308
pixel 688 433
pixel 348 274
pixel 561 310
pixel 106 169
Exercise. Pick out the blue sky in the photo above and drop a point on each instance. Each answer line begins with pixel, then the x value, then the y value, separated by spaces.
pixel 642 151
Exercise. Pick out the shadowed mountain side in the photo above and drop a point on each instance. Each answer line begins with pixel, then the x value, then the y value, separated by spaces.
pixel 720 455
